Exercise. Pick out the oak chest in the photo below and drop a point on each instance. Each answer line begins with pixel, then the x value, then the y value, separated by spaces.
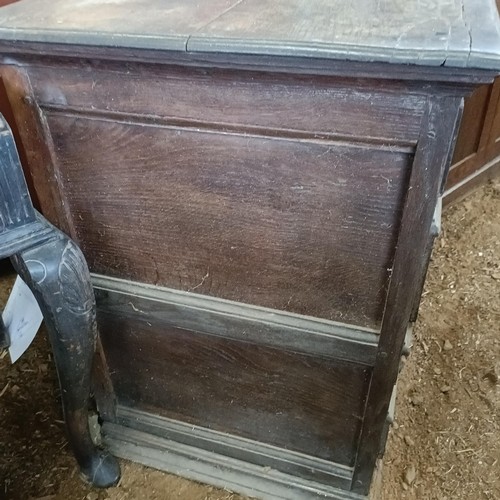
pixel 253 185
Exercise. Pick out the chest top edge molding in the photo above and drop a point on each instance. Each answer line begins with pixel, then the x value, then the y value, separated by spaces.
pixel 443 33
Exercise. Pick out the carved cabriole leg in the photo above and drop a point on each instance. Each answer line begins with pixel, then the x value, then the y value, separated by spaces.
pixel 55 269
pixel 57 274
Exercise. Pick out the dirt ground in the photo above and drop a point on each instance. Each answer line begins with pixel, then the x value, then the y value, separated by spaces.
pixel 444 445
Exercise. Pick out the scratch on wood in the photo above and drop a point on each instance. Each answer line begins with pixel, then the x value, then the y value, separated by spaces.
pixel 135 308
pixel 201 282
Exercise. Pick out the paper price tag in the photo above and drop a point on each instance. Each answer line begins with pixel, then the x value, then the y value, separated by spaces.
pixel 22 318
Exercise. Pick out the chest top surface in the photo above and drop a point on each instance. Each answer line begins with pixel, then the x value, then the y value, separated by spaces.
pixel 454 33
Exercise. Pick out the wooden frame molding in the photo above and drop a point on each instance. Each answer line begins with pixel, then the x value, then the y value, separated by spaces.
pixel 148 439
pixel 229 319
pixel 409 265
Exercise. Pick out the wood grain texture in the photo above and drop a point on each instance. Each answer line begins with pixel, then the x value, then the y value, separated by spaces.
pixel 478 149
pixel 409 266
pixel 234 320
pixel 298 402
pixel 258 102
pixel 301 226
pixel 437 32
pixel 479 177
pixel 472 123
pixel 273 180
pixel 447 80
pixel 469 167
pixel 492 118
pixel 36 146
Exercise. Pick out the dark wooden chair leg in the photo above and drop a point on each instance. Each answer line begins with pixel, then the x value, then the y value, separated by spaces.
pixel 57 274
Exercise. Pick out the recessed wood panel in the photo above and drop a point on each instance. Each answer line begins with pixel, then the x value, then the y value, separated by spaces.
pixel 295 401
pixel 301 226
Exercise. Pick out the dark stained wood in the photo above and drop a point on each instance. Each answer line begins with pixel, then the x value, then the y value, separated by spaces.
pixel 409 265
pixel 492 118
pixel 473 123
pixel 276 181
pixel 102 388
pixel 234 320
pixel 258 102
pixel 408 76
pixel 466 170
pixel 477 156
pixel 245 218
pixel 298 402
pixel 479 177
pixel 35 145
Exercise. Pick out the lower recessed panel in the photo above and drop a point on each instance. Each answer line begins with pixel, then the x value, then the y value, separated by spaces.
pixel 290 400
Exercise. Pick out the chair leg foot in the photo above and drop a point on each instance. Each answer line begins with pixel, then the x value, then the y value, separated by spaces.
pixel 57 274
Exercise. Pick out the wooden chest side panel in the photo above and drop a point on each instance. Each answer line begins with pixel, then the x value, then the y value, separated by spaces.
pixel 317 106
pixel 290 400
pixel 301 226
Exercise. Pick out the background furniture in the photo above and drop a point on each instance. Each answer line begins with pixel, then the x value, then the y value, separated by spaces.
pixel 253 185
pixel 477 154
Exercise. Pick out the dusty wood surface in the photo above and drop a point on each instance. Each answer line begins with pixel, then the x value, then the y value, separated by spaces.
pixel 288 400
pixel 447 399
pixel 298 210
pixel 306 256
pixel 458 33
pixel 299 214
